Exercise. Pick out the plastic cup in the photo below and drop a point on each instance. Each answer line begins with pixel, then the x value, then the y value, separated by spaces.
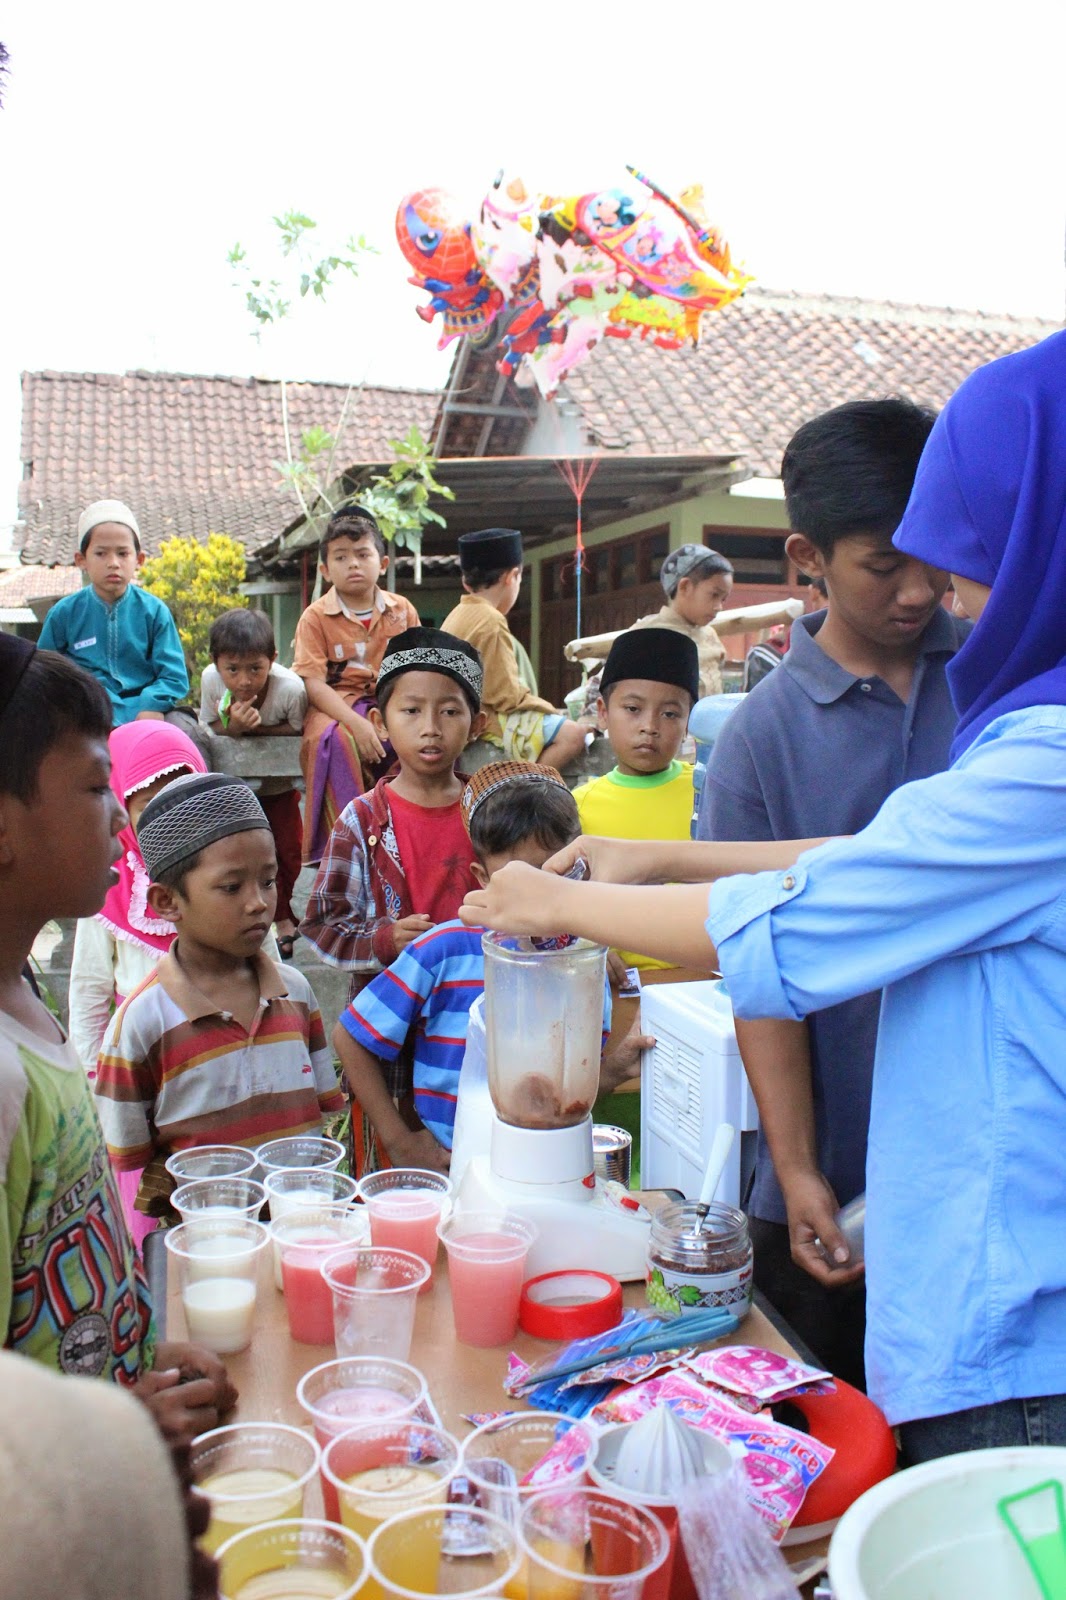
pixel 441 1550
pixel 405 1206
pixel 522 1442
pixel 585 1544
pixel 292 1561
pixel 384 1467
pixel 339 1395
pixel 218 1260
pixel 301 1150
pixel 251 1472
pixel 486 1266
pixel 374 1294
pixel 301 1242
pixel 211 1161
pixel 218 1197
pixel 291 1189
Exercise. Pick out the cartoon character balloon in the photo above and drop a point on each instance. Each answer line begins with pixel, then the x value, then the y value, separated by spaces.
pixel 436 241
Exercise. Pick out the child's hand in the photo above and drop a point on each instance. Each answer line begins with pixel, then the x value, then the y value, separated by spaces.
pixel 182 1409
pixel 408 928
pixel 196 1361
pixel 367 743
pixel 623 1062
pixel 420 1150
pixel 243 717
pixel 616 970
pixel 518 899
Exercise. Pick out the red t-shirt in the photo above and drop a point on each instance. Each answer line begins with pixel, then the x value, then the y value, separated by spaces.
pixel 436 854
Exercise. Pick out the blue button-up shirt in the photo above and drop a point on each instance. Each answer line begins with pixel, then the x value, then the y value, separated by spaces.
pixel 815 750
pixel 954 900
pixel 132 647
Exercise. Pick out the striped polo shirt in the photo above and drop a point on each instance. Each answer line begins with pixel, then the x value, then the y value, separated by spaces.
pixel 175 1071
pixel 430 987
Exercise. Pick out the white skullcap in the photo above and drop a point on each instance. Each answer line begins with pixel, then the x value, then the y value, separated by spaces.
pixel 106 511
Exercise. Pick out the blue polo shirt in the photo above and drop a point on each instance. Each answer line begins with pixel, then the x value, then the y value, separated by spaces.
pixel 814 750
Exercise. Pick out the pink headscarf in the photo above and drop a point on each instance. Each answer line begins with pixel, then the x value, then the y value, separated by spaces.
pixel 140 753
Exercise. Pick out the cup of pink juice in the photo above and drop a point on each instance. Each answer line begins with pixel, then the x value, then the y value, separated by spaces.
pixel 302 1240
pixel 338 1395
pixel 487 1253
pixel 406 1205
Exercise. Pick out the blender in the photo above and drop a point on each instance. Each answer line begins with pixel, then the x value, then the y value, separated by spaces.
pixel 543 1025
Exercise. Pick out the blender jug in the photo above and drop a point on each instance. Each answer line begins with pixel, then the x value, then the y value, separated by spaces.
pixel 543 1021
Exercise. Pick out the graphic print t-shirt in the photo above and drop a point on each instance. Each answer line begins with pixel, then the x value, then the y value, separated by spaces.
pixel 436 854
pixel 71 1292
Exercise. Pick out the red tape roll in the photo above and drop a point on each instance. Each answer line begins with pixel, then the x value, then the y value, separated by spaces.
pixel 570 1305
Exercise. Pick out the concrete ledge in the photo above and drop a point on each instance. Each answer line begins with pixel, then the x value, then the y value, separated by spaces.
pixel 266 756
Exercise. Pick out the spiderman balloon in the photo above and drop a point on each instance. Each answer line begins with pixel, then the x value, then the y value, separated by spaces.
pixel 435 240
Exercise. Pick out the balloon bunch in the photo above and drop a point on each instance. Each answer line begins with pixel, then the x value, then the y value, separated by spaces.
pixel 543 278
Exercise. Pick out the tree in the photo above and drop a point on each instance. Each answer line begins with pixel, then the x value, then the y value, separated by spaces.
pixel 398 498
pixel 198 582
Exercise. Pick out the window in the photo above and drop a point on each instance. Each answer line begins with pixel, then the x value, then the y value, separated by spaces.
pixel 757 556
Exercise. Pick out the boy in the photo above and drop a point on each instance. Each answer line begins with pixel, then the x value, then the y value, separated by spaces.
pixel 649 684
pixel 697 583
pixel 72 1295
pixel 399 859
pixel 859 706
pixel 525 727
pixel 219 1045
pixel 339 643
pixel 514 812
pixel 245 692
pixel 119 632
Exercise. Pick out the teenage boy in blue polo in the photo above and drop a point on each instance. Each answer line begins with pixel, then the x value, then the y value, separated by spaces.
pixel 858 706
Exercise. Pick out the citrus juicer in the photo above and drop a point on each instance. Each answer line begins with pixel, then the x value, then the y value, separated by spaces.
pixel 544 1005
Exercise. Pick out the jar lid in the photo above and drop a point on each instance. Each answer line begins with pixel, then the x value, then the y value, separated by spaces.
pixel 570 1305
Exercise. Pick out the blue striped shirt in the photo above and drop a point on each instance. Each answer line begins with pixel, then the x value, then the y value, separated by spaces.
pixel 430 986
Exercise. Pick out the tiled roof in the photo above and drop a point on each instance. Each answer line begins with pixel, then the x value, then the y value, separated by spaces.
pixel 20 585
pixel 763 366
pixel 189 454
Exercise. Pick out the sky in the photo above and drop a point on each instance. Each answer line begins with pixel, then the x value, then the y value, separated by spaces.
pixel 911 152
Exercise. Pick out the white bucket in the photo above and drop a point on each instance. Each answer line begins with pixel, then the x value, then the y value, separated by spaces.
pixel 933 1532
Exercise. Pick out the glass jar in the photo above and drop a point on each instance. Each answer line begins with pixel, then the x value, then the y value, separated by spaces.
pixel 710 1267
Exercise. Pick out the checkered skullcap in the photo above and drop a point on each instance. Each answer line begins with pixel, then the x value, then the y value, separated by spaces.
pixel 193 812
pixel 691 561
pixel 497 775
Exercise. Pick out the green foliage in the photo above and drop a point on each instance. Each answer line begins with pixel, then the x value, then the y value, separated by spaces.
pixel 269 299
pixel 198 582
pixel 399 498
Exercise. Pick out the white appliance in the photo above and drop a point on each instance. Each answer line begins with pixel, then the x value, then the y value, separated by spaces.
pixel 690 1082
pixel 542 1024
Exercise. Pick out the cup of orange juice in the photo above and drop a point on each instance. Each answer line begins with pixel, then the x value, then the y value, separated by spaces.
pixel 380 1468
pixel 441 1550
pixel 293 1561
pixel 586 1544
pixel 251 1472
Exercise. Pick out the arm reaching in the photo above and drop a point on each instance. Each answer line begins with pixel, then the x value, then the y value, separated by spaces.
pixel 367 1083
pixel 674 861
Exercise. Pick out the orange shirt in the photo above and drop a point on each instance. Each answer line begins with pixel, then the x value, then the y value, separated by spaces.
pixel 333 644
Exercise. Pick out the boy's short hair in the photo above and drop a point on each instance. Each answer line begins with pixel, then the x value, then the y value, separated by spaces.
pixel 107 511
pixel 242 632
pixel 509 802
pixel 477 578
pixel 851 470
pixel 351 522
pixel 192 812
pixel 49 698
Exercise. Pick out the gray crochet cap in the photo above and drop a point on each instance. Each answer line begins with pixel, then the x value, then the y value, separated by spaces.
pixel 192 812
pixel 691 561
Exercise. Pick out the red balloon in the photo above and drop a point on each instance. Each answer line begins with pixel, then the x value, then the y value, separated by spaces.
pixel 435 237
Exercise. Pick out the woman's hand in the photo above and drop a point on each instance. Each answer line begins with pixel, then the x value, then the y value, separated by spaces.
pixel 608 860
pixel 518 899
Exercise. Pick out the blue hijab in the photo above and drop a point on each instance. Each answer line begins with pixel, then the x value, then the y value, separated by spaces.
pixel 989 504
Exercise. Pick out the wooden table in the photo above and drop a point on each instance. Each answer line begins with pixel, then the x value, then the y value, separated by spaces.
pixel 461 1379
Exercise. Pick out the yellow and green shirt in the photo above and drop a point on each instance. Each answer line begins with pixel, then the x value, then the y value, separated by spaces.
pixel 624 806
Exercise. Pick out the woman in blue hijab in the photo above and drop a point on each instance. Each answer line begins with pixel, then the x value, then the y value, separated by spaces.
pixel 953 901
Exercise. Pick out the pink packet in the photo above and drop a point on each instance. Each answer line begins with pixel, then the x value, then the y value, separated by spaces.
pixel 779 1464
pixel 517 1371
pixel 629 1369
pixel 748 1370
pixel 481 1419
pixel 565 1459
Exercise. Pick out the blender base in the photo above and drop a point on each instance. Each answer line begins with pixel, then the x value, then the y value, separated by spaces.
pixel 589 1232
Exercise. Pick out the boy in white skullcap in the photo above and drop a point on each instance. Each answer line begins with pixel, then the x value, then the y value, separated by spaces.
pixel 119 632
